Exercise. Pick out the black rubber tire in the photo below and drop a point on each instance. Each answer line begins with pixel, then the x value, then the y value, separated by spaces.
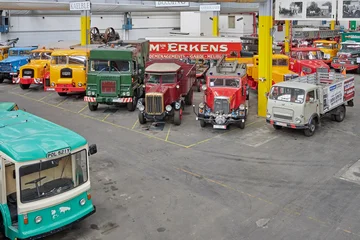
pixel 24 86
pixel 351 103
pixel 202 123
pixel 1 78
pixel 132 105
pixel 62 94
pixel 198 88
pixel 277 127
pixel 177 117
pixel 311 130
pixel 93 107
pixel 2 227
pixel 341 114
pixel 141 117
pixel 242 124
pixel 189 98
pixel 333 117
pixel 358 70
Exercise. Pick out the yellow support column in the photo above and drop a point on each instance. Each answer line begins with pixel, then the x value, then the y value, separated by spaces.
pixel 85 23
pixel 332 25
pixel 265 54
pixel 215 26
pixel 287 37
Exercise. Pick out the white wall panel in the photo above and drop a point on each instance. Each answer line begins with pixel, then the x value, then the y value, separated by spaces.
pixel 242 27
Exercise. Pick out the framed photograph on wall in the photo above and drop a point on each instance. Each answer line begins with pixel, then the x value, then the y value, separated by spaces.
pixel 320 9
pixel 349 10
pixel 289 10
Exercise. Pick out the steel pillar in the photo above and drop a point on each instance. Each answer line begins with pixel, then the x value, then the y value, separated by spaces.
pixel 287 37
pixel 265 54
pixel 85 23
pixel 215 24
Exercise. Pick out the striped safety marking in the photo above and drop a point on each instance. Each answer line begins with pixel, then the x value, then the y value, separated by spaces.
pixel 122 100
pixel 89 99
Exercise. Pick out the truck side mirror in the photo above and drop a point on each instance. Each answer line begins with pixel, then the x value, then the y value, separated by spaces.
pixel 92 149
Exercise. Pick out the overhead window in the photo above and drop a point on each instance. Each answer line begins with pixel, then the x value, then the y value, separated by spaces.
pixel 231 21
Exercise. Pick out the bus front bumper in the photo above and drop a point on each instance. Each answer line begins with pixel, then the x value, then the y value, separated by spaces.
pixel 60 228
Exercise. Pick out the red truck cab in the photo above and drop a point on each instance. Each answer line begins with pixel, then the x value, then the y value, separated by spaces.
pixel 168 88
pixel 226 96
pixel 307 60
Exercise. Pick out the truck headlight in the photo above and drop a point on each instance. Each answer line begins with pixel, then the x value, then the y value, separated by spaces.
pixel 168 108
pixel 201 105
pixel 177 105
pixel 242 107
pixel 38 219
pixel 82 202
pixel 89 93
pixel 79 84
pixel 204 87
pixel 53 84
pixel 141 107
pixel 268 115
pixel 297 120
pixel 93 93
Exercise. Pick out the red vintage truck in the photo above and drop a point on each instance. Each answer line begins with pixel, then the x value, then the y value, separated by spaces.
pixel 168 88
pixel 307 60
pixel 226 96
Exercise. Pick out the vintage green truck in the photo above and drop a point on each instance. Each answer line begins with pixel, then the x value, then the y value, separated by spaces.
pixel 348 56
pixel 116 74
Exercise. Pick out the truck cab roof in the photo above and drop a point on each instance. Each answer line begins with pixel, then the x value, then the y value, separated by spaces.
pixel 163 67
pixel 27 137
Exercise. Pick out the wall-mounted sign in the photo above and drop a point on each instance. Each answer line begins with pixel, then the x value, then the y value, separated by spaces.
pixel 80 6
pixel 171 4
pixel 210 8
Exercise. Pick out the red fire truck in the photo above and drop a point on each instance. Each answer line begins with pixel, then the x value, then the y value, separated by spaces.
pixel 194 49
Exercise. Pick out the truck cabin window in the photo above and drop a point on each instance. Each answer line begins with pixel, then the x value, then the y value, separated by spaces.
pixel 310 55
pixel 310 95
pixel 49 178
pixel 77 60
pixel 280 62
pixel 120 66
pixel 224 82
pixel 112 66
pixel 35 55
pixel 350 46
pixel 286 94
pixel 163 78
pixel 59 60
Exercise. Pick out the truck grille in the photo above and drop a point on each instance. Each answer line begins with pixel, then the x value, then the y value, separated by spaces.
pixel 66 73
pixel 5 68
pixel 154 103
pixel 322 70
pixel 108 86
pixel 282 117
pixel 28 73
pixel 222 105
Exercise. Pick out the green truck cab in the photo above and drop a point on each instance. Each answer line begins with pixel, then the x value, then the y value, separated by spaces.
pixel 348 56
pixel 8 106
pixel 116 74
pixel 45 184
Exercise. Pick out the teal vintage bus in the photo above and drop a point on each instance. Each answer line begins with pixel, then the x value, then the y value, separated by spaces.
pixel 44 171
pixel 8 106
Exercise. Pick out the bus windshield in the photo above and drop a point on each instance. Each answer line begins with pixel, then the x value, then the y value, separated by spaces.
pixel 48 178
pixel 286 94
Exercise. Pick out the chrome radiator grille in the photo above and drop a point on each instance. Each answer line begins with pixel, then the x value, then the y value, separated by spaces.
pixel 222 105
pixel 322 70
pixel 28 72
pixel 154 103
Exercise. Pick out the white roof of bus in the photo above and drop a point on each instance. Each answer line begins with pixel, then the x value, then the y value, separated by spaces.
pixel 163 67
pixel 192 39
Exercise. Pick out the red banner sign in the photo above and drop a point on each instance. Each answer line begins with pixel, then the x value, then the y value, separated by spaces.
pixel 194 50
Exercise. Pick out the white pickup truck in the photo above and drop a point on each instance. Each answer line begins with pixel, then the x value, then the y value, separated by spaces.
pixel 301 102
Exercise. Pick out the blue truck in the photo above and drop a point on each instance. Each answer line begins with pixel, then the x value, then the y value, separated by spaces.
pixel 9 67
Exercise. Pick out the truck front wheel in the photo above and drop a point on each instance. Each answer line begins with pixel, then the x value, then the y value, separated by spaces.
pixel 202 123
pixel 93 106
pixel 131 106
pixel 1 78
pixel 311 130
pixel 189 97
pixel 62 94
pixel 142 119
pixel 277 127
pixel 242 124
pixel 24 86
pixel 339 117
pixel 177 117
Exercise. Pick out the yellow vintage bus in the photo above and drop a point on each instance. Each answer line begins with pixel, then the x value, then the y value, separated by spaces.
pixel 68 68
pixel 37 70
pixel 328 48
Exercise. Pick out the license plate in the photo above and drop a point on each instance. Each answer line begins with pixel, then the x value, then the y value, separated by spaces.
pixel 26 77
pixel 281 124
pixel 50 89
pixel 219 126
pixel 58 153
pixel 342 62
pixel 118 100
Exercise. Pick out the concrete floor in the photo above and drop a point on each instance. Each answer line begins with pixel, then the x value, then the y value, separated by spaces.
pixel 185 182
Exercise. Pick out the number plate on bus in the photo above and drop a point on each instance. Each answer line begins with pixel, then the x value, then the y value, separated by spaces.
pixel 58 153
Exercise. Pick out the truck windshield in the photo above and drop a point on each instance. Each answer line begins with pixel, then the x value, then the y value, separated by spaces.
pixel 46 55
pixel 286 94
pixel 280 62
pixel 311 55
pixel 350 46
pixel 13 53
pixel 163 78
pixel 77 60
pixel 24 52
pixel 115 66
pixel 35 55
pixel 52 177
pixel 324 45
pixel 224 82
